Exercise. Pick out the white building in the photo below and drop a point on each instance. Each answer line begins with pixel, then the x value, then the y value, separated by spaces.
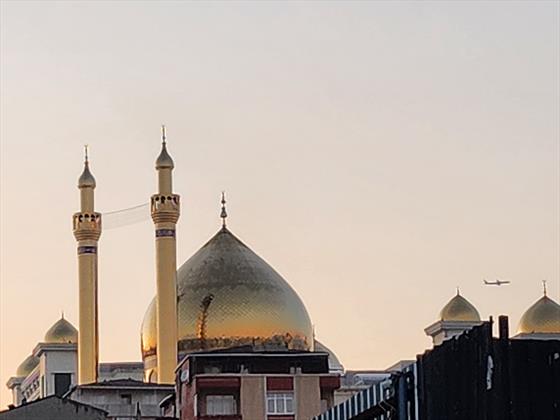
pixel 51 369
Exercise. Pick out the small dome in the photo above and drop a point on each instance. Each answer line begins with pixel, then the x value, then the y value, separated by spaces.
pixel 86 179
pixel 334 363
pixel 61 332
pixel 27 366
pixel 164 161
pixel 459 309
pixel 543 317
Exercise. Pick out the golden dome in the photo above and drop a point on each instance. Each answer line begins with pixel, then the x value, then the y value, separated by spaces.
pixel 459 309
pixel 229 296
pixel 86 179
pixel 542 317
pixel 27 366
pixel 61 332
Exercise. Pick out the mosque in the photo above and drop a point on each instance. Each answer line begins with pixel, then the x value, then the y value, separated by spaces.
pixel 224 296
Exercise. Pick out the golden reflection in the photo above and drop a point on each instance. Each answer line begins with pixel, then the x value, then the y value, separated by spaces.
pixel 542 317
pixel 459 309
pixel 229 296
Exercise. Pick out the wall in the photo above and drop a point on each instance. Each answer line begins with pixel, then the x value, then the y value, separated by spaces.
pixel 58 362
pixel 308 397
pixel 111 400
pixel 252 397
pixel 476 376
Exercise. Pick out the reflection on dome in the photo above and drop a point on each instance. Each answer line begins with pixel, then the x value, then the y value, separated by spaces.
pixel 459 309
pixel 61 332
pixel 228 296
pixel 27 366
pixel 543 317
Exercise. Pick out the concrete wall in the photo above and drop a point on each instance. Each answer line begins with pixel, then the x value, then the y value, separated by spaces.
pixel 252 397
pixel 308 397
pixel 111 400
pixel 58 362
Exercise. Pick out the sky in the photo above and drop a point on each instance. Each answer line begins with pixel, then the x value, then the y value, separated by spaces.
pixel 377 154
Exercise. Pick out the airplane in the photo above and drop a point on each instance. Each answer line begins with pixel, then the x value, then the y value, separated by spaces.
pixel 496 283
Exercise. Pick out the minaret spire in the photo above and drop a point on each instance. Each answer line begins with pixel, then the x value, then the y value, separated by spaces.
pixel 87 230
pixel 165 208
pixel 223 213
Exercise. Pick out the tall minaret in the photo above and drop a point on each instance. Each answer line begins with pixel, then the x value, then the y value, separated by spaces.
pixel 165 207
pixel 87 229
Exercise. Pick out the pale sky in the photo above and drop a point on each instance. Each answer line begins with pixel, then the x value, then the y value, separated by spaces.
pixel 377 154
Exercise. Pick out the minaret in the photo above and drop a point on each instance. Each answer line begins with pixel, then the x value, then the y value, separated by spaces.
pixel 87 229
pixel 165 208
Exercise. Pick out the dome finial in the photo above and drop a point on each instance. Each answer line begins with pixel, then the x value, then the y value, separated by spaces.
pixel 62 313
pixel 164 161
pixel 544 287
pixel 458 291
pixel 223 214
pixel 86 178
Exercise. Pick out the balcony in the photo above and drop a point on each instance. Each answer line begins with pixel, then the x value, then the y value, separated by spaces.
pixel 220 417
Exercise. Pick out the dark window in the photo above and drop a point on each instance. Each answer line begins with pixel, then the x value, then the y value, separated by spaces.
pixel 62 382
pixel 126 398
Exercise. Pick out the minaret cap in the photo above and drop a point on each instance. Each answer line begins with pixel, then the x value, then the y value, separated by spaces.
pixel 86 179
pixel 164 161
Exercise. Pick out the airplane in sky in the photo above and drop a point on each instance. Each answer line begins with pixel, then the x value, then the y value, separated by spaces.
pixel 496 283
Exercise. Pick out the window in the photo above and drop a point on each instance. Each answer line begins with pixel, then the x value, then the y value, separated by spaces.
pixel 221 404
pixel 126 398
pixel 62 382
pixel 280 403
pixel 212 369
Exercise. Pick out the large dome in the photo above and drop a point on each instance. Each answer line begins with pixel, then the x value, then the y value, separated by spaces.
pixel 229 296
pixel 543 317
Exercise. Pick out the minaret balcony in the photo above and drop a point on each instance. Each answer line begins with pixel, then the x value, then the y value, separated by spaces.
pixel 87 226
pixel 165 208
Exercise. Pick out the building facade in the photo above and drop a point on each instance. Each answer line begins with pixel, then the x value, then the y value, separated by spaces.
pixel 123 398
pixel 238 384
